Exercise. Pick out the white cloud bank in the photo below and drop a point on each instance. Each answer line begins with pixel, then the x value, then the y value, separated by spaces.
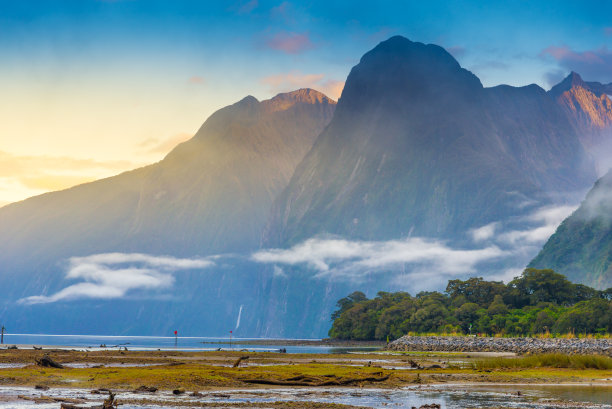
pixel 425 261
pixel 350 259
pixel 114 275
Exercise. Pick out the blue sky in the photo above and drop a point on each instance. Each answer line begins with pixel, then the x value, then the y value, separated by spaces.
pixel 117 83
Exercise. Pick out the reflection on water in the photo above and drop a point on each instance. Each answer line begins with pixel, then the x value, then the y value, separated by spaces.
pixel 448 396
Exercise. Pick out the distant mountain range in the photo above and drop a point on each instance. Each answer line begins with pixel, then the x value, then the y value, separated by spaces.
pixel 415 148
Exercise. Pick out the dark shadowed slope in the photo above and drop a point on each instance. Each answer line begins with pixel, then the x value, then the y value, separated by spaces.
pixel 418 147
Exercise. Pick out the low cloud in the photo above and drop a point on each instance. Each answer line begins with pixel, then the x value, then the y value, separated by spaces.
pixel 289 42
pixel 295 79
pixel 500 252
pixel 485 232
pixel 279 272
pixel 592 65
pixel 339 258
pixel 542 222
pixel 117 275
pixel 598 204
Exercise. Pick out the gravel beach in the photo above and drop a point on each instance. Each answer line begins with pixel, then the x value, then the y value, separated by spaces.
pixel 517 345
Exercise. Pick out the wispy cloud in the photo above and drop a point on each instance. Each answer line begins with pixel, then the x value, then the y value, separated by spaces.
pixel 197 80
pixel 339 258
pixel 22 176
pixel 295 79
pixel 116 275
pixel 283 12
pixel 289 42
pixel 593 65
pixel 485 232
pixel 545 221
pixel 154 145
pixel 598 203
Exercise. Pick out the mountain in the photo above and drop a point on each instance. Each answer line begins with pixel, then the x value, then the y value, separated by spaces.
pixel 589 108
pixel 210 195
pixel 581 248
pixel 415 148
pixel 418 147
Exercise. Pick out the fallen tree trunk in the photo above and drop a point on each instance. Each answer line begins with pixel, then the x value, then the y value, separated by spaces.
pixel 47 362
pixel 242 358
pixel 313 382
pixel 109 403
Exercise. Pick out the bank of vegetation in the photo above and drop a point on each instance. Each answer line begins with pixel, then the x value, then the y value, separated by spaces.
pixel 538 303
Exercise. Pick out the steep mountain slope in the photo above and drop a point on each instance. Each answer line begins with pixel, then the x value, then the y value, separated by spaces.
pixel 418 147
pixel 581 248
pixel 589 108
pixel 211 194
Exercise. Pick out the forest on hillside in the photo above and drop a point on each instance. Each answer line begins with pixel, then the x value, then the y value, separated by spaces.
pixel 537 302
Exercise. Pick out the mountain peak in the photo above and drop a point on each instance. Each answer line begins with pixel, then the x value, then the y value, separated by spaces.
pixel 399 46
pixel 286 100
pixel 573 80
pixel 399 72
pixel 248 100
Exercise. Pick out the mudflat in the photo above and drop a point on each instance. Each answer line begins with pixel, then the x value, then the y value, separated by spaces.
pixel 219 371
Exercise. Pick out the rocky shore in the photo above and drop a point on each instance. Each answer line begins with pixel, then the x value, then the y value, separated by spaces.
pixel 517 345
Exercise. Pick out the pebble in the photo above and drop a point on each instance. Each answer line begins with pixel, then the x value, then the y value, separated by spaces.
pixel 580 346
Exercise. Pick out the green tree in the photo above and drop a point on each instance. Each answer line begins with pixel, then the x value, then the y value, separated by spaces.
pixel 475 290
pixel 344 304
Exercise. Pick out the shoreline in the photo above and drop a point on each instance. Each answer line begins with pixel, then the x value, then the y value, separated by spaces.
pixel 519 345
pixel 303 342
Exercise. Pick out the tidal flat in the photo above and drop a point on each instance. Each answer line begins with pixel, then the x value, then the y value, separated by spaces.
pixel 159 379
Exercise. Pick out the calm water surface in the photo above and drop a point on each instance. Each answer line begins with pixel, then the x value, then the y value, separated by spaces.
pixel 143 343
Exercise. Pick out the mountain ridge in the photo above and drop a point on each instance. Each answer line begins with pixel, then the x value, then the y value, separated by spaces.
pixel 422 101
pixel 415 148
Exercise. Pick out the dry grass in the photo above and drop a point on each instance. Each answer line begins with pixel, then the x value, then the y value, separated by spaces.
pixel 546 361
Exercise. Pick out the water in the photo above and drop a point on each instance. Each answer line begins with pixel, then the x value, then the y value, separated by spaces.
pixel 448 396
pixel 143 343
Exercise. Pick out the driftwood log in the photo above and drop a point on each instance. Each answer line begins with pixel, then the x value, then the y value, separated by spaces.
pixel 109 403
pixel 47 362
pixel 303 380
pixel 242 358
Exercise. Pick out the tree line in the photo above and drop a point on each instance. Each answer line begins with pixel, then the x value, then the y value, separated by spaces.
pixel 537 302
